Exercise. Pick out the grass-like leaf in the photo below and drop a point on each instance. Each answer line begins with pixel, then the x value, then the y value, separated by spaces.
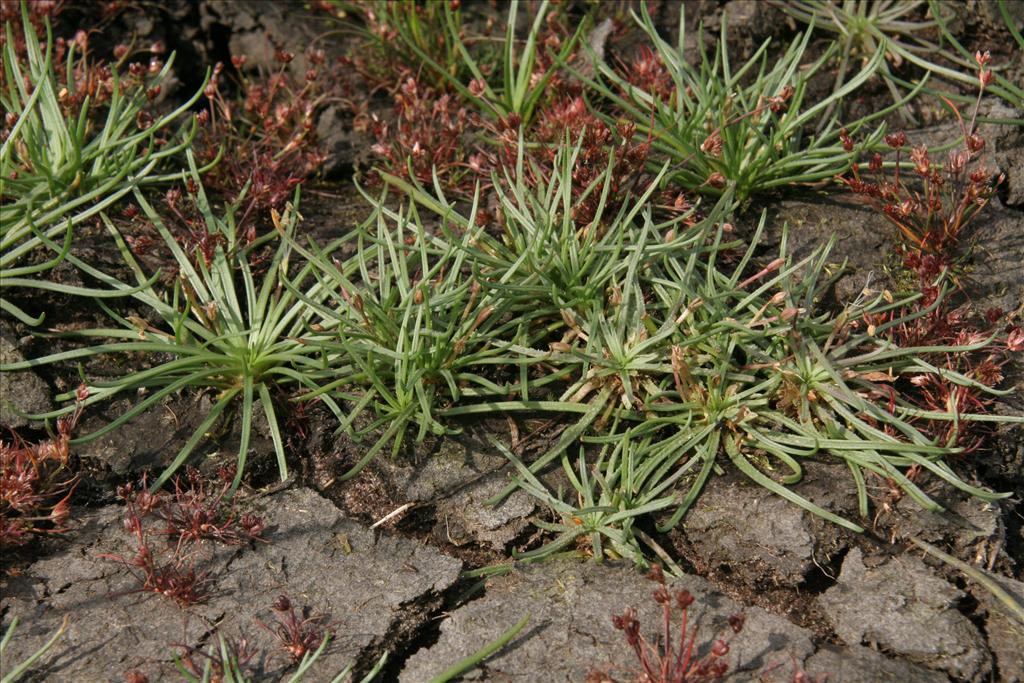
pixel 749 127
pixel 244 345
pixel 59 169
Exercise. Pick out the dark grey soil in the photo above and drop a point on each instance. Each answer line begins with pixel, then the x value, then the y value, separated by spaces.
pixel 892 614
pixel 376 590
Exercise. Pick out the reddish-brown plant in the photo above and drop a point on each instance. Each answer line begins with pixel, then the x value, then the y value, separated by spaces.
pixel 87 80
pixel 387 55
pixel 677 660
pixel 598 144
pixel 931 321
pixel 427 134
pixel 298 632
pixel 648 73
pixel 193 513
pixel 38 13
pixel 934 203
pixel 600 147
pixel 198 511
pixel 265 135
pixel 434 129
pixel 175 578
pixel 197 662
pixel 35 486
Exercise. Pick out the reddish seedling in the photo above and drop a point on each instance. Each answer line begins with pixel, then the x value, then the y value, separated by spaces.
pixel 35 486
pixel 198 511
pixel 221 661
pixel 195 512
pixel 426 135
pixel 298 632
pixel 678 659
pixel 176 579
pixel 932 322
pixel 265 135
pixel 87 81
pixel 933 204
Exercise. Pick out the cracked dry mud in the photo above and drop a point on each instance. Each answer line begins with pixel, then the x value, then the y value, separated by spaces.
pixel 377 590
pixel 384 592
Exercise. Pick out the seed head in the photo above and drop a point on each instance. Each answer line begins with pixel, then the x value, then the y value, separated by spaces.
pixel 716 180
pixel 896 140
pixel 478 87
pixel 845 138
pixel 957 162
pixel 712 145
pixel 922 164
pixel 1015 339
